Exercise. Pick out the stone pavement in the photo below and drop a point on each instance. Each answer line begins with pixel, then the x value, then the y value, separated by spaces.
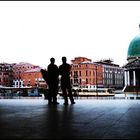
pixel 87 119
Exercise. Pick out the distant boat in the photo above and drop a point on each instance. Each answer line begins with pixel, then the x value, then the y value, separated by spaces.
pixel 33 92
pixel 98 92
pixel 22 91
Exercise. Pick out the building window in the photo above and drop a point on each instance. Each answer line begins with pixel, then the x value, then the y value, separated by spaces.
pixel 80 80
pixel 76 73
pixel 80 73
pixel 86 81
pixel 86 73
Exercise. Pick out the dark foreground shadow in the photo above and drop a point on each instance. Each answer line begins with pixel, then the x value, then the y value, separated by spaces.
pixel 59 122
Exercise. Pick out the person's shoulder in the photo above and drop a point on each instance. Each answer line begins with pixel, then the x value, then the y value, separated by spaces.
pixel 56 67
pixel 49 65
pixel 68 64
pixel 60 65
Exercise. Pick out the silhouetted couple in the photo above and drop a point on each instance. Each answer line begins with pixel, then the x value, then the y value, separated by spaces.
pixel 53 80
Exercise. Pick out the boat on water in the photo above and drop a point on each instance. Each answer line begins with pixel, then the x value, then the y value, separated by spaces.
pixel 98 92
pixel 22 91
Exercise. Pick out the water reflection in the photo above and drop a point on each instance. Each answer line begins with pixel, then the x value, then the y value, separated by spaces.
pixel 118 95
pixel 59 120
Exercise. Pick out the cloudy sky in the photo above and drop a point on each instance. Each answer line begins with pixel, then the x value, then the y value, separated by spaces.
pixel 35 31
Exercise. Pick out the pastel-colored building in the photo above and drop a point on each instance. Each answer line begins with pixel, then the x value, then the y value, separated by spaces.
pixel 113 74
pixel 33 78
pixel 96 74
pixel 26 74
pixel 86 73
pixel 6 74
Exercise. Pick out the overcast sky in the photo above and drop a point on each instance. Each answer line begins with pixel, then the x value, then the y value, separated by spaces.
pixel 35 31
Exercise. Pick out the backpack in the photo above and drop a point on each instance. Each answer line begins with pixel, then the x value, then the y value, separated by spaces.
pixel 45 75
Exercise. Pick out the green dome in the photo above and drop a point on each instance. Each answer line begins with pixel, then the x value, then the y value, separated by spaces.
pixel 134 48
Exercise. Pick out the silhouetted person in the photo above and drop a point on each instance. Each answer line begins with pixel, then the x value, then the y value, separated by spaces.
pixel 53 73
pixel 64 71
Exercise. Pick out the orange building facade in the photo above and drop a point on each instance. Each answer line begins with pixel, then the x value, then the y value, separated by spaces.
pixel 27 75
pixel 33 78
pixel 20 68
pixel 86 73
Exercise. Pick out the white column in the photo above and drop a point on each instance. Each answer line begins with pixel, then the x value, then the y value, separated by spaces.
pixel 128 78
pixel 125 80
pixel 21 83
pixel 134 78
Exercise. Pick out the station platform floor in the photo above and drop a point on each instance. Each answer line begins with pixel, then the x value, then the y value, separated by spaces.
pixel 87 119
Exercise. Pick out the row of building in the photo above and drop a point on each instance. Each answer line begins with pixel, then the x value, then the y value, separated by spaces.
pixel 102 73
pixel 19 75
pixel 84 73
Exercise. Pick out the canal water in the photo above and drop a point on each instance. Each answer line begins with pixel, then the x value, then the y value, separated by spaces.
pixel 118 95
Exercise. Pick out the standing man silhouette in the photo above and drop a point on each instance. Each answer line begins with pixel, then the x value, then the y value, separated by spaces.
pixel 64 71
pixel 53 73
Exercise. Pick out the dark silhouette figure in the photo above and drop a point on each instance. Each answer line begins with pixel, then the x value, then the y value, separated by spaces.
pixel 46 78
pixel 53 73
pixel 64 71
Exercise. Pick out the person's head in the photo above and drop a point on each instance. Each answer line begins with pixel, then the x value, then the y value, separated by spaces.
pixel 52 60
pixel 64 59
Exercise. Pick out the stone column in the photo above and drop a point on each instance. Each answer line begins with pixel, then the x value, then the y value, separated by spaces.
pixel 128 78
pixel 125 80
pixel 134 78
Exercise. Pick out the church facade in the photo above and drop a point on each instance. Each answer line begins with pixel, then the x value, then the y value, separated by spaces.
pixel 132 68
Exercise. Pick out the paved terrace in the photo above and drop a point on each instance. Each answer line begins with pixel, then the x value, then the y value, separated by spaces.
pixel 87 119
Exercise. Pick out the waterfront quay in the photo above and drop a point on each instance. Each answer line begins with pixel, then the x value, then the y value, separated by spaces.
pixel 89 118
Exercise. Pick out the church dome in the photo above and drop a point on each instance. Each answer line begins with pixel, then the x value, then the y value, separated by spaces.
pixel 134 48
